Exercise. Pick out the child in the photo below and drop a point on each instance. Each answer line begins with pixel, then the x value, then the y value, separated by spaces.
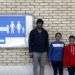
pixel 56 54
pixel 69 56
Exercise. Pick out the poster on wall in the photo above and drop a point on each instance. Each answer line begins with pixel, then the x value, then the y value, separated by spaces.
pixel 14 30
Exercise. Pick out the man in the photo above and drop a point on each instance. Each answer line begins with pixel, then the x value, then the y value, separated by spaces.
pixel 38 47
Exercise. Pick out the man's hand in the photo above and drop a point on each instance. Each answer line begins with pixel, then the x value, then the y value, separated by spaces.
pixel 31 55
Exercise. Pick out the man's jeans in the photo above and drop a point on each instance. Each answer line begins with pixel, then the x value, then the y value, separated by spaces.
pixel 39 60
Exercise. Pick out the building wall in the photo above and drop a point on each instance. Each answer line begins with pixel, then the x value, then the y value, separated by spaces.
pixel 58 16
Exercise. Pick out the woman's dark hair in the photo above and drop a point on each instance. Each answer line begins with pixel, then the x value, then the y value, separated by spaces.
pixel 39 21
pixel 71 36
pixel 58 34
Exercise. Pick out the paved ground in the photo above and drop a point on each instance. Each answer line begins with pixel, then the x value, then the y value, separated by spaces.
pixel 24 70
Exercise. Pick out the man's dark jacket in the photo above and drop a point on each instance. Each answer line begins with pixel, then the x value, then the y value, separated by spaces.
pixel 38 42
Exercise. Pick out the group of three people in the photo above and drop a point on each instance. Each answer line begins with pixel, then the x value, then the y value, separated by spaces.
pixel 59 54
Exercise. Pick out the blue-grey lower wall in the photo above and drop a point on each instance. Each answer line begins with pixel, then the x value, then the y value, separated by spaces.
pixel 25 70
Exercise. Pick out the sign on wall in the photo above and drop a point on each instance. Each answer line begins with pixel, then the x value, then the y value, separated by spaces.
pixel 14 30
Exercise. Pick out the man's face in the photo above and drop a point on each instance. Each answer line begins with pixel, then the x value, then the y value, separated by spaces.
pixel 71 40
pixel 58 37
pixel 39 25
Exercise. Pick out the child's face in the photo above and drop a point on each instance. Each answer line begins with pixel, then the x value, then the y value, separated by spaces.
pixel 58 37
pixel 71 40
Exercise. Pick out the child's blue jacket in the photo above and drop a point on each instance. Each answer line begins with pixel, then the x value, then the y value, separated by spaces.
pixel 56 49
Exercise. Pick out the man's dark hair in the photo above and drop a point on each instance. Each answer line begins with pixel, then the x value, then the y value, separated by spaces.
pixel 39 21
pixel 58 34
pixel 71 36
